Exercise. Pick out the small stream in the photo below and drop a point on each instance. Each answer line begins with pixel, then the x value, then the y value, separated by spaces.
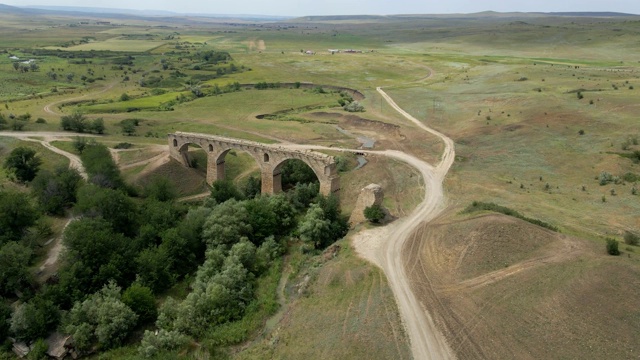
pixel 365 143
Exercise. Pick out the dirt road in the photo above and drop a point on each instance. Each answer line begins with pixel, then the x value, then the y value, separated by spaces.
pixel 383 246
pixel 47 137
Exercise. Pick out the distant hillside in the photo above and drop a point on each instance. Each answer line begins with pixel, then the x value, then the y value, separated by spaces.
pixel 6 9
pixel 100 10
pixel 479 15
pixel 147 13
pixel 591 14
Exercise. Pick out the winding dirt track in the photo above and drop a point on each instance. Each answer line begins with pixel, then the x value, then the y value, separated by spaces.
pixel 74 160
pixel 383 246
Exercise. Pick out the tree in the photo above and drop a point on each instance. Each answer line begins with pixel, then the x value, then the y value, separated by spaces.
pixel 98 126
pixel 128 127
pixel 102 318
pixel 23 163
pixel 374 213
pixel 38 350
pixel 161 189
pixel 303 195
pixel 75 122
pixel 314 228
pixel 140 299
pixel 5 317
pixel 56 191
pixel 226 224
pixel 323 223
pixel 16 215
pixel 263 219
pixel 154 269
pixel 252 187
pixel 612 247
pixel 96 255
pixel 34 319
pixel 14 272
pixel 296 171
pixel 101 168
pixel 223 190
pixel 112 205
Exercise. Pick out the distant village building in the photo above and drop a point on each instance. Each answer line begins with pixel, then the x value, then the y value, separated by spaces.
pixel 103 22
pixel 13 57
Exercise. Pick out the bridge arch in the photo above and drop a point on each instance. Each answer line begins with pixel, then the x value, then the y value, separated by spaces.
pixel 270 159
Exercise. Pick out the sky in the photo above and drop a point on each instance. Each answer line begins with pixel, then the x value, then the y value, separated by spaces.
pixel 347 7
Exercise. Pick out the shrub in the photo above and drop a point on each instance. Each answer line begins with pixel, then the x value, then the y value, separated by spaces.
pixel 631 238
pixel 612 247
pixel 154 342
pixel 41 121
pixel 75 122
pixel 604 178
pixel 123 145
pixel 140 299
pixel 354 107
pixel 374 213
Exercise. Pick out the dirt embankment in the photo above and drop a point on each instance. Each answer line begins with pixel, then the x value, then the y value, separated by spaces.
pixel 501 288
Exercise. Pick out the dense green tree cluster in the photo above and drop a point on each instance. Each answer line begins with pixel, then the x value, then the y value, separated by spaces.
pixel 56 191
pixel 23 164
pixel 100 167
pixel 78 122
pixel 145 246
pixel 102 319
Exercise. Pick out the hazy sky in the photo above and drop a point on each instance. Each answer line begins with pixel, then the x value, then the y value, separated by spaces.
pixel 348 7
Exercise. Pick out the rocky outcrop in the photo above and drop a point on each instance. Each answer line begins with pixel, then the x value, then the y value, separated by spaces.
pixel 370 195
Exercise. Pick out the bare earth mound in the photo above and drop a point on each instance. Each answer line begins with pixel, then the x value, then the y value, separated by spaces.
pixel 501 288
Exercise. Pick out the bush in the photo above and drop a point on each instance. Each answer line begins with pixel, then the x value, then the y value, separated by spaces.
pixel 223 190
pixel 74 122
pixel 605 178
pixel 140 299
pixel 631 238
pixel 612 247
pixel 374 213
pixel 354 107
pixel 39 350
pixel 123 145
pixel 23 163
pixel 154 342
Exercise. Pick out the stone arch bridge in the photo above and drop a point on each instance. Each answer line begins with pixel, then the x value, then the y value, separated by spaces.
pixel 270 159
